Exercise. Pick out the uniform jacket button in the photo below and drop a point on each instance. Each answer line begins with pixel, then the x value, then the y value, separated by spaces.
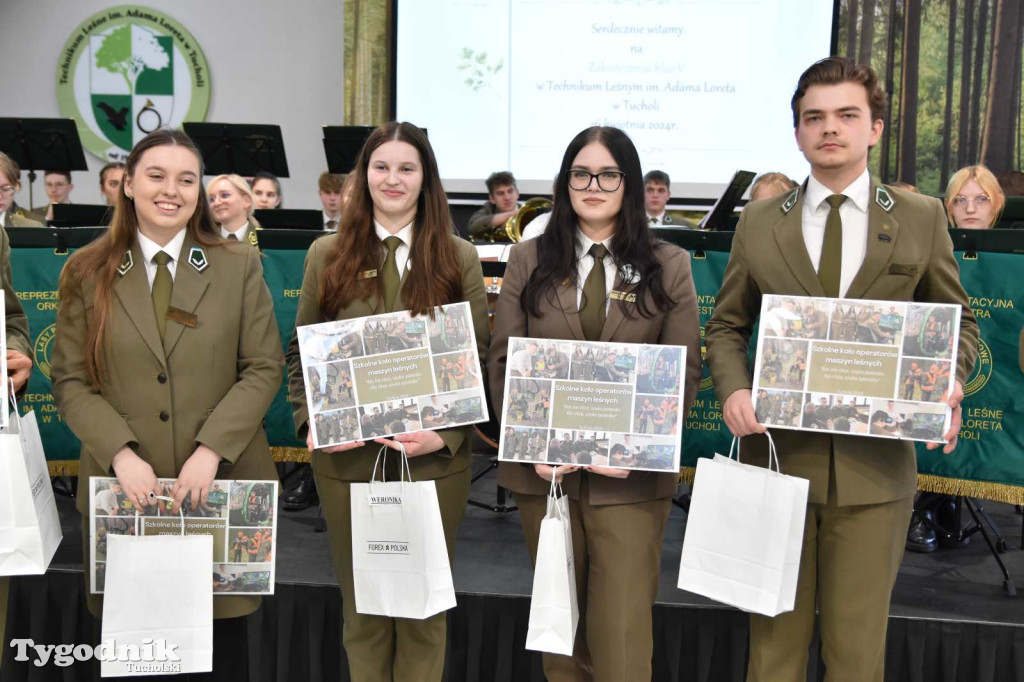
pixel 164 416
pixel 162 378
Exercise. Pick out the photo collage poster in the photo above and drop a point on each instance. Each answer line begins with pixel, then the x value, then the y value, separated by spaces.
pixel 377 376
pixel 240 515
pixel 867 368
pixel 617 405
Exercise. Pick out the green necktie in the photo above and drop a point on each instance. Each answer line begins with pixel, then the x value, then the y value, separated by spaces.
pixel 232 237
pixel 389 273
pixel 831 264
pixel 594 294
pixel 162 284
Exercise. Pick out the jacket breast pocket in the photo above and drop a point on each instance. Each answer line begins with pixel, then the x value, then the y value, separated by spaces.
pixel 906 269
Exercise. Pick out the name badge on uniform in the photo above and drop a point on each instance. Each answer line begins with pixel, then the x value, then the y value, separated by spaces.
pixel 366 274
pixel 622 296
pixel 181 317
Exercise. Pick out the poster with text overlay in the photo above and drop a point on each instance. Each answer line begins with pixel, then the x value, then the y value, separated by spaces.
pixel 860 367
pixel 377 376
pixel 585 403
pixel 240 515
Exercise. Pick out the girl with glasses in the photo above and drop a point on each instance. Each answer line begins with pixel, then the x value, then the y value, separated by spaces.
pixel 559 286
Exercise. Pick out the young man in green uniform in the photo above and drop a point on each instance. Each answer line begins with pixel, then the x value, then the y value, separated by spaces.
pixel 840 235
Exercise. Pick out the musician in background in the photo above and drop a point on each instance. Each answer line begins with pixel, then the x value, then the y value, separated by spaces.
pixel 110 181
pixel 58 188
pixel 266 191
pixel 502 201
pixel 770 185
pixel 330 185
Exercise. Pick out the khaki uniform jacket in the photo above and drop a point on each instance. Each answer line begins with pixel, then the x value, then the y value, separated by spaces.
pixel 357 464
pixel 909 257
pixel 559 319
pixel 17 324
pixel 17 219
pixel 209 384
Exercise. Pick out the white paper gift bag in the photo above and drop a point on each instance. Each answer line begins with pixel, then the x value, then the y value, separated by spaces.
pixel 554 614
pixel 159 587
pixel 399 557
pixel 744 534
pixel 29 525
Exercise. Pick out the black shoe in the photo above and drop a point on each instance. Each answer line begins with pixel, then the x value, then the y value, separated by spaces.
pixel 302 495
pixel 920 537
pixel 947 516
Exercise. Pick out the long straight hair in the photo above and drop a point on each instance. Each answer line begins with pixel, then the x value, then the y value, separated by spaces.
pixel 100 260
pixel 435 276
pixel 633 243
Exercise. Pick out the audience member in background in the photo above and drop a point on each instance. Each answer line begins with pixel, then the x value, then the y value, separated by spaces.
pixel 231 204
pixel 657 192
pixel 330 196
pixel 110 181
pixel 974 199
pixel 266 191
pixel 502 200
pixel 768 185
pixel 1012 183
pixel 10 184
pixel 58 189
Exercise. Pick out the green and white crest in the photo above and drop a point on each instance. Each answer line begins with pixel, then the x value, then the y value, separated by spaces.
pixel 126 71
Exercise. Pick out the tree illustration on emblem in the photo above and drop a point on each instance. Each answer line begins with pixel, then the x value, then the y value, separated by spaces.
pixel 129 53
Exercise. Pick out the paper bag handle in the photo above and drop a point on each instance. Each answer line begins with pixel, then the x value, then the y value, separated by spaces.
pixel 553 498
pixel 14 403
pixel 382 454
pixel 181 511
pixel 773 455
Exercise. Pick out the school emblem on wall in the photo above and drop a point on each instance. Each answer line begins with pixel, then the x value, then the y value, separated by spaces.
pixel 127 71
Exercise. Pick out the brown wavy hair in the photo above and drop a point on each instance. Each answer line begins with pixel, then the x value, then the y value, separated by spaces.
pixel 435 277
pixel 98 262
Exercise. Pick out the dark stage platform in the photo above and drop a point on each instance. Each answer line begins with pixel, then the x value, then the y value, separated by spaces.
pixel 950 620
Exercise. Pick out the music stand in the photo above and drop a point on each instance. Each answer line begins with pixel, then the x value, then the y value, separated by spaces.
pixel 726 203
pixel 289 218
pixel 342 145
pixel 42 144
pixel 241 148
pixel 81 215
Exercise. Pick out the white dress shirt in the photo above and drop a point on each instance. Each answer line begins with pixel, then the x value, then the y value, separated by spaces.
pixel 853 213
pixel 586 264
pixel 239 233
pixel 327 219
pixel 402 252
pixel 657 219
pixel 150 248
pixel 3 216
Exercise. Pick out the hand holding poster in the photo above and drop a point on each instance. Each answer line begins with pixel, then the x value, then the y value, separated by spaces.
pixel 870 368
pixel 613 405
pixel 371 377
pixel 240 515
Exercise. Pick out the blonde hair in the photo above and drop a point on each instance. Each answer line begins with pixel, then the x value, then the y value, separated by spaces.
pixel 988 183
pixel 10 169
pixel 779 182
pixel 239 183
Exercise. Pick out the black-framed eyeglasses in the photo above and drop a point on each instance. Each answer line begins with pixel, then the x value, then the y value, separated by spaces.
pixel 607 181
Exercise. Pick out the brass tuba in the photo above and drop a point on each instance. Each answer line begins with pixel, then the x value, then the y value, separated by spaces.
pixel 512 230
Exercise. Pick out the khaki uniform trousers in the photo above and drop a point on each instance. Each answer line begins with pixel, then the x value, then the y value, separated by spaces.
pixel 382 649
pixel 617 553
pixel 850 559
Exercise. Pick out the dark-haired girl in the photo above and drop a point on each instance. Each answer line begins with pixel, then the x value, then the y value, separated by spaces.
pixel 396 226
pixel 558 287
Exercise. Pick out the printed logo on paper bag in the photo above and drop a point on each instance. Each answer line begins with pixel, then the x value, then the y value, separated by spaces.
pixel 378 500
pixel 387 547
pixel 127 71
